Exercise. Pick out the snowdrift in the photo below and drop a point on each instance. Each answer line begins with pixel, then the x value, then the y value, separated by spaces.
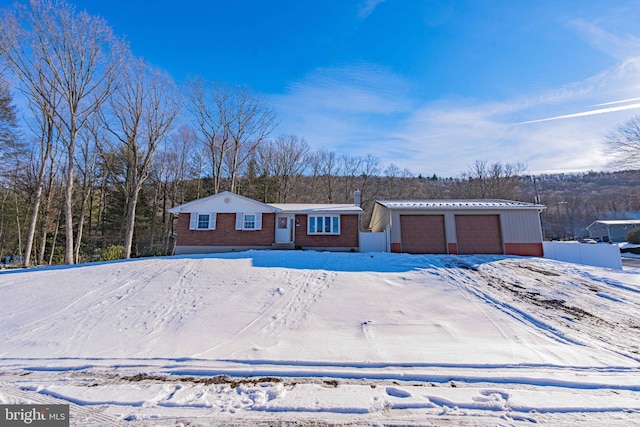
pixel 299 336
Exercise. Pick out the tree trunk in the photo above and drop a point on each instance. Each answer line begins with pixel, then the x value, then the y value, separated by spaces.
pixel 45 215
pixel 18 228
pixel 36 205
pixel 68 211
pixel 79 231
pixel 130 221
pixel 43 239
pixel 34 219
pixel 86 194
pixel 55 237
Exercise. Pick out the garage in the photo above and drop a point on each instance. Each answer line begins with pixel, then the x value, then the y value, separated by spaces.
pixel 479 234
pixel 459 226
pixel 423 234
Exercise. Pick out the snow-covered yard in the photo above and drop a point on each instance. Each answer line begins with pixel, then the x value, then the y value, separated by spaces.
pixel 324 338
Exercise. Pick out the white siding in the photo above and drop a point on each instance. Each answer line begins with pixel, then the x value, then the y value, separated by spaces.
pixel 521 226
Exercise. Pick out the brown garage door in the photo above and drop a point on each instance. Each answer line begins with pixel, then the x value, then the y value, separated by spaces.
pixel 423 234
pixel 479 234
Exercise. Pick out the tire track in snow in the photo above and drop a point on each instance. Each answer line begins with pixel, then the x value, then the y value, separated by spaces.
pixel 294 293
pixel 473 285
pixel 122 303
pixel 74 315
pixel 572 304
pixel 309 290
pixel 78 414
pixel 260 321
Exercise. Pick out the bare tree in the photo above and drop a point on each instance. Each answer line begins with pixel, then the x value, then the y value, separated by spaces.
pixel 50 191
pixel 494 181
pixel 12 154
pixel 42 156
pixel 86 160
pixel 142 110
pixel 206 102
pixel 8 119
pixel 73 53
pixel 252 122
pixel 325 170
pixel 282 160
pixel 174 169
pixel 350 167
pixel 369 177
pixel 232 122
pixel 624 144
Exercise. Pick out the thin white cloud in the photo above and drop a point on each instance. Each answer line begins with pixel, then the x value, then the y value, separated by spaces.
pixel 619 46
pixel 358 88
pixel 452 134
pixel 347 109
pixel 367 8
pixel 364 108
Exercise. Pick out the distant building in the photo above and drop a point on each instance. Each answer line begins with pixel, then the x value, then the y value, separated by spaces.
pixel 612 230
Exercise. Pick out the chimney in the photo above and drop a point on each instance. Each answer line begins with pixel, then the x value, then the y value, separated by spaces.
pixel 356 197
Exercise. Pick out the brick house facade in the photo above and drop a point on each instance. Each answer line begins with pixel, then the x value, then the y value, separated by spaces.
pixel 348 238
pixel 225 233
pixel 228 222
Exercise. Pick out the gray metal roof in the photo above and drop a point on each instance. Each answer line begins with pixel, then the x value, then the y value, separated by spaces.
pixel 302 208
pixel 458 204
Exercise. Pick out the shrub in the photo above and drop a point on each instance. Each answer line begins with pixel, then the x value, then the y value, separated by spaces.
pixel 110 253
pixel 634 236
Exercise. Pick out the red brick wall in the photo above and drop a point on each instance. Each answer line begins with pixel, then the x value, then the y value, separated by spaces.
pixel 348 237
pixel 225 233
pixel 524 249
pixel 452 248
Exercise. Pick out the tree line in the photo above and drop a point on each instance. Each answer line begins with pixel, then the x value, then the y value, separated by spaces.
pixel 109 143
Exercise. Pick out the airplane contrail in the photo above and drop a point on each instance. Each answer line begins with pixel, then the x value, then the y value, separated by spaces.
pixel 616 102
pixel 584 113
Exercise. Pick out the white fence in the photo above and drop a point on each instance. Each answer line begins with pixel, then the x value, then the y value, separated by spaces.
pixel 374 242
pixel 598 255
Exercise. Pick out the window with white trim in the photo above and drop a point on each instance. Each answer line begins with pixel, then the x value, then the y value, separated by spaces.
pixel 248 221
pixel 323 224
pixel 202 221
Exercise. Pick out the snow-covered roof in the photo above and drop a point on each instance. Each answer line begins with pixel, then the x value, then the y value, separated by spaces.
pixel 458 204
pixel 616 222
pixel 231 201
pixel 225 198
pixel 305 208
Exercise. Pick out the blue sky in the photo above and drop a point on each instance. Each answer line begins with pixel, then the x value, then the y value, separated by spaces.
pixel 429 85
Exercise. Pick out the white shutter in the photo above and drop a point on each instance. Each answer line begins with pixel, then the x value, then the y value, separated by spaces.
pixel 258 221
pixel 239 221
pixel 212 221
pixel 193 221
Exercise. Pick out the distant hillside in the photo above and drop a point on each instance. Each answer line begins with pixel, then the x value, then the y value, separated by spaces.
pixel 576 200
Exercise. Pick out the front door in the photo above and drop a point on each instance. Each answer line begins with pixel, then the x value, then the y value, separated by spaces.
pixel 284 228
